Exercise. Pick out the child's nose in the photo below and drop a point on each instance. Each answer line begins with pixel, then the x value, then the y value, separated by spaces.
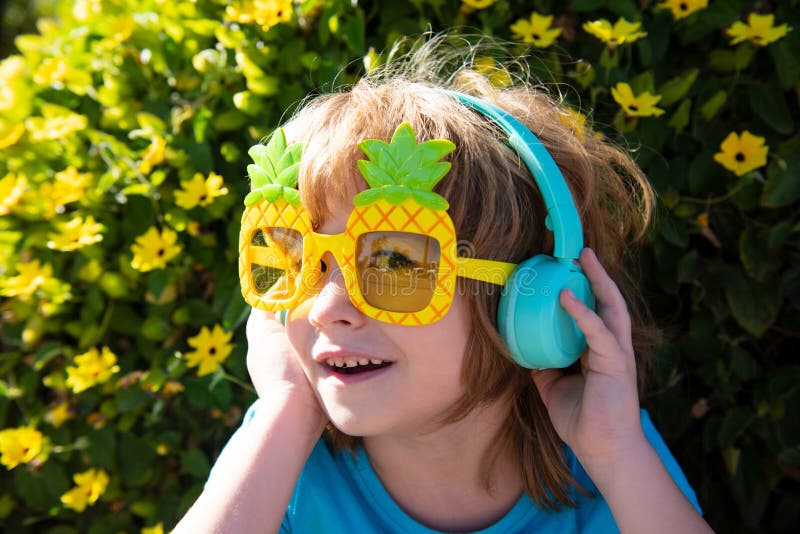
pixel 332 305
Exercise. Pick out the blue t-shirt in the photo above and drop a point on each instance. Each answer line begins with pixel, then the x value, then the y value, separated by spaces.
pixel 339 492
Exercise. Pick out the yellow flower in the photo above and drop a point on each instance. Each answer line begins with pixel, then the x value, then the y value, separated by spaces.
pixel 213 348
pixel 56 72
pixel 120 29
pixel 10 133
pixel 68 186
pixel 621 32
pixel 31 277
pixel 8 98
pixel 11 69
pixel 575 121
pixel 157 529
pixel 76 233
pixel 759 30
pixel 11 188
pixel 153 155
pixel 683 8
pixel 478 4
pixel 35 280
pixel 55 127
pixel 641 105
pixel 51 70
pixel 86 10
pixel 266 13
pixel 536 32
pixel 89 486
pixel 200 191
pixel 92 368
pixel 59 415
pixel 19 445
pixel 742 153
pixel 153 249
pixel 498 75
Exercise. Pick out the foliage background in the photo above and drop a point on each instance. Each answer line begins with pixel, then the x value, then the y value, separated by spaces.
pixel 721 271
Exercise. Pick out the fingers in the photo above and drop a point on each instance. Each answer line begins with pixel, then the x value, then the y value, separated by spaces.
pixel 261 315
pixel 261 322
pixel 599 337
pixel 608 330
pixel 611 305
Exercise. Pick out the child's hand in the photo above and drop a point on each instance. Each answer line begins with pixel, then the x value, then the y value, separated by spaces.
pixel 274 366
pixel 597 412
pixel 257 471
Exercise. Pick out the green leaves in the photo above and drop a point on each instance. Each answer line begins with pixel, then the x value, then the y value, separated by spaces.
pixel 783 176
pixel 274 173
pixel 403 168
pixel 768 103
pixel 676 88
pixel 754 306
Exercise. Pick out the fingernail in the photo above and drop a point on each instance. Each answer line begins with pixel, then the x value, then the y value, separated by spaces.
pixel 569 294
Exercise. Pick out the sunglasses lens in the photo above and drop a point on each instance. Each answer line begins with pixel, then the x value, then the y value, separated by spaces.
pixel 397 271
pixel 276 255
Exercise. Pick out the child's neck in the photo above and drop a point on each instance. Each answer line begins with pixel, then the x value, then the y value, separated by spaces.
pixel 438 477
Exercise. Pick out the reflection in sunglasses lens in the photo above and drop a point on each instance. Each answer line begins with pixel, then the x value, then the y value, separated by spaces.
pixel 397 271
pixel 278 254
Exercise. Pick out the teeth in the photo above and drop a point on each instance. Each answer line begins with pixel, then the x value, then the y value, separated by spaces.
pixel 339 362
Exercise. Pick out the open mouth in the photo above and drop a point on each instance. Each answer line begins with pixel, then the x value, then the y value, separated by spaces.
pixel 354 367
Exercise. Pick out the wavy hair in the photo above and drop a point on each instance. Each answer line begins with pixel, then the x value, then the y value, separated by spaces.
pixel 496 208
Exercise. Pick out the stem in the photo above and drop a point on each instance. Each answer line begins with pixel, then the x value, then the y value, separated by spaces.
pixel 139 176
pixel 80 444
pixel 238 382
pixel 716 200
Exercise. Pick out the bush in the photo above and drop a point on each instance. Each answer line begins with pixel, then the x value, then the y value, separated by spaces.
pixel 123 129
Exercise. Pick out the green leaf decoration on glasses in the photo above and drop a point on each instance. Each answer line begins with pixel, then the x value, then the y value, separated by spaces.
pixel 274 171
pixel 404 168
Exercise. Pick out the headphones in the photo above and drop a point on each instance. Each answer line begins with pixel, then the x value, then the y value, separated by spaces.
pixel 539 333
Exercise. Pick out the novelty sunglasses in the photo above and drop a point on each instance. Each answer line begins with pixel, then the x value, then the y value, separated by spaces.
pixel 398 254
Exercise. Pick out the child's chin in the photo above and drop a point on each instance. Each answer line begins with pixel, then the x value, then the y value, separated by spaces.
pixel 353 423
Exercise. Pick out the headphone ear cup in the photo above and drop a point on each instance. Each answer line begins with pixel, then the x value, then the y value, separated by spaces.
pixel 539 333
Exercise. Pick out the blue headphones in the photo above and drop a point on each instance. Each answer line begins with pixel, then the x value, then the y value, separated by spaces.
pixel 539 333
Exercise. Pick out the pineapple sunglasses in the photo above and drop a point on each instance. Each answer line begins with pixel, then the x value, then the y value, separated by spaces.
pixel 398 254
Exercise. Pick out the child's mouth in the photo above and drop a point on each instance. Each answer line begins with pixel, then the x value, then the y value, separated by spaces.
pixel 354 367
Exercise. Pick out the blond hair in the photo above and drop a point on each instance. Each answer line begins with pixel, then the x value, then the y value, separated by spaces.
pixel 497 211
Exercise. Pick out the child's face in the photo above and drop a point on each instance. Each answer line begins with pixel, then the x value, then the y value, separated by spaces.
pixel 422 380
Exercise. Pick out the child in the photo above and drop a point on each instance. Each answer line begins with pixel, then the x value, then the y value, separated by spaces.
pixel 391 401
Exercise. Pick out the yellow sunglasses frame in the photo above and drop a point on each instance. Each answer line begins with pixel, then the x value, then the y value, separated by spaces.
pixel 267 214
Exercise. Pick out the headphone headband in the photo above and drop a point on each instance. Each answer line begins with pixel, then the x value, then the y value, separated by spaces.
pixel 562 216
